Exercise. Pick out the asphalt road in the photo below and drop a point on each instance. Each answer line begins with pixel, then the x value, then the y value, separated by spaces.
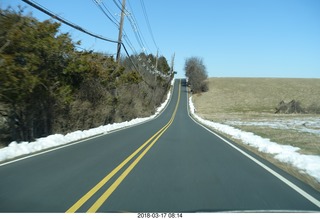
pixel 170 164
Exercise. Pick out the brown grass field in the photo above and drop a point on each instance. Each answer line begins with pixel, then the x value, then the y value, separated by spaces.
pixel 244 100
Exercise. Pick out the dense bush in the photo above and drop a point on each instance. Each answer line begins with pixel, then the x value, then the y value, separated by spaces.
pixel 197 74
pixel 48 86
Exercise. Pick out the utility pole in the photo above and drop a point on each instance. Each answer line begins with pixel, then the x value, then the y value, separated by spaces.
pixel 120 30
pixel 157 59
pixel 172 62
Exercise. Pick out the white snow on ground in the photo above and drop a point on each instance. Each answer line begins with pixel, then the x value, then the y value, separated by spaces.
pixel 16 149
pixel 307 124
pixel 309 164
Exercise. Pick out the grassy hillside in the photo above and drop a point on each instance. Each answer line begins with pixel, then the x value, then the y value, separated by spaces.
pixel 257 95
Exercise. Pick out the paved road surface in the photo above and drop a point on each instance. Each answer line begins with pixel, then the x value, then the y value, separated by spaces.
pixel 170 164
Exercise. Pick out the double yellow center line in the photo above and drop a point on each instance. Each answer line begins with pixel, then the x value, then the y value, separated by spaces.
pixel 146 146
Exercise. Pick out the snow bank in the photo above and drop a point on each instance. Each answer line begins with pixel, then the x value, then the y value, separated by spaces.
pixel 307 124
pixel 309 164
pixel 15 149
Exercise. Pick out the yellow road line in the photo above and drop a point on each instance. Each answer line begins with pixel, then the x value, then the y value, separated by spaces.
pixel 109 191
pixel 89 194
pixel 114 186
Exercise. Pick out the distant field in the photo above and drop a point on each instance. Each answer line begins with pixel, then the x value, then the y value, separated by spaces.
pixel 256 95
pixel 249 104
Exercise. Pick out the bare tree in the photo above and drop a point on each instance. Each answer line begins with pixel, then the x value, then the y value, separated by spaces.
pixel 196 73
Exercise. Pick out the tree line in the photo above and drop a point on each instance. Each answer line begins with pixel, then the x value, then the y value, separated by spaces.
pixel 47 85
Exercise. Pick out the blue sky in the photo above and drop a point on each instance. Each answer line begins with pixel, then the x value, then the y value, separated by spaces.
pixel 235 38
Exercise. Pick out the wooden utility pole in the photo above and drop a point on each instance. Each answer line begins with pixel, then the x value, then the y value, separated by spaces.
pixel 172 62
pixel 157 60
pixel 120 30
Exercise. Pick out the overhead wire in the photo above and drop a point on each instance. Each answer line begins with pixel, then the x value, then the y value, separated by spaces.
pixel 100 4
pixel 135 27
pixel 109 16
pixel 57 17
pixel 148 22
pixel 126 38
pixel 146 64
pixel 118 5
pixel 133 21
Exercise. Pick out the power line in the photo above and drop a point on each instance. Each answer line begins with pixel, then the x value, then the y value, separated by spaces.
pixel 111 18
pixel 126 38
pixel 46 11
pixel 135 27
pixel 137 34
pixel 148 23
pixel 118 5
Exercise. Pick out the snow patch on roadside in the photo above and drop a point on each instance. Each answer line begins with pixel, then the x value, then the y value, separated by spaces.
pixel 309 164
pixel 306 125
pixel 16 149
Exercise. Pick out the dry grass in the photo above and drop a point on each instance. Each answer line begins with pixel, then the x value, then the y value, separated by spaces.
pixel 310 142
pixel 255 99
pixel 252 99
pixel 258 95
